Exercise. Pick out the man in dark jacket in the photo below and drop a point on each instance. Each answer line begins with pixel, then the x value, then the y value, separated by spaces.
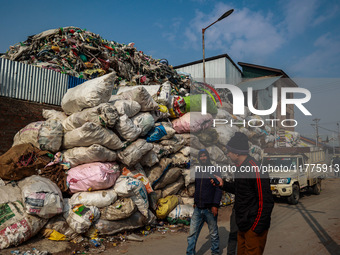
pixel 207 200
pixel 253 198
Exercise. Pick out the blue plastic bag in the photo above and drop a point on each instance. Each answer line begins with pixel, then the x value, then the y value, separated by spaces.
pixel 155 134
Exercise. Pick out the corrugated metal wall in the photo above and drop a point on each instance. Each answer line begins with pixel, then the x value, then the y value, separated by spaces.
pixel 233 76
pixel 217 71
pixel 27 82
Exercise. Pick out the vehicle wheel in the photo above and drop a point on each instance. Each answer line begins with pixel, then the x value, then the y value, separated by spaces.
pixel 295 196
pixel 317 188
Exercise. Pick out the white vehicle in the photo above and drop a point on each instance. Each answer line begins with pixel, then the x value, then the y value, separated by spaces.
pixel 294 172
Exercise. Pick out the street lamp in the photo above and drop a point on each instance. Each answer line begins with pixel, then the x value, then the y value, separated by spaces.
pixel 226 14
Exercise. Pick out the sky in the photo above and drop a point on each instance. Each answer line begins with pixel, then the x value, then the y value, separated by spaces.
pixel 301 37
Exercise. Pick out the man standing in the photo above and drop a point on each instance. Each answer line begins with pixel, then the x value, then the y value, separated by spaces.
pixel 253 198
pixel 336 166
pixel 207 200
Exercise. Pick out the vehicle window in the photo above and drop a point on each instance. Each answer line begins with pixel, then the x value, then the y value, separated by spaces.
pixel 289 162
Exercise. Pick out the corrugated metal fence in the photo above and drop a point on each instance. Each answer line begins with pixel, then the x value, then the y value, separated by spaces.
pixel 27 82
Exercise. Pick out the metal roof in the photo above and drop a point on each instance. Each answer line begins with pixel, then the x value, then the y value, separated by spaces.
pixel 275 70
pixel 209 59
pixel 258 83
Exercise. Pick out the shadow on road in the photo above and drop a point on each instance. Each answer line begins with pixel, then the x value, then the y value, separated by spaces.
pixel 327 241
pixel 223 233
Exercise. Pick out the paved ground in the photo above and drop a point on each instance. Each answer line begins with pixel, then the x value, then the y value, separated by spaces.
pixel 311 227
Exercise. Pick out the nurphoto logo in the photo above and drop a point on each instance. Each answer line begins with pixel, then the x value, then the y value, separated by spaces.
pixel 238 105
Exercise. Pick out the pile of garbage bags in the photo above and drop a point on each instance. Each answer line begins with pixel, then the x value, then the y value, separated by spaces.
pixel 81 53
pixel 109 163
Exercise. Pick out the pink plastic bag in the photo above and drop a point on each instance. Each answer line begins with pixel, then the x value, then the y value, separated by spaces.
pixel 92 176
pixel 192 122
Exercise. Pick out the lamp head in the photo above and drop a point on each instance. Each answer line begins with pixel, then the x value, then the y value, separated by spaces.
pixel 226 14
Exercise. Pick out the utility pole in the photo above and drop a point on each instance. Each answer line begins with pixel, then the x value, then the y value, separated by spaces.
pixel 317 131
pixel 338 134
pixel 333 138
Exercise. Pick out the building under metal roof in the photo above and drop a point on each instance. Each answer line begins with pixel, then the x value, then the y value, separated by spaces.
pixel 219 69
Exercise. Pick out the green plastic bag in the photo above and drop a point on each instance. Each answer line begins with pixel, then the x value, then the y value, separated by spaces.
pixel 193 104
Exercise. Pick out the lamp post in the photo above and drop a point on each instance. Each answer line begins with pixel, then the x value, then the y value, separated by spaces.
pixel 226 14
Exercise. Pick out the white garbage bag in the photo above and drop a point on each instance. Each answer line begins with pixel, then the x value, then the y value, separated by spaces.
pixel 88 94
pixel 100 198
pixel 157 170
pixel 84 155
pixel 225 133
pixel 144 121
pixel 127 186
pixel 80 217
pixel 131 155
pixel 28 134
pixel 136 220
pixel 104 114
pixel 53 114
pixel 91 133
pixel 128 107
pixel 189 175
pixel 174 144
pixel 182 211
pixel 149 159
pixel 216 154
pixel 121 209
pixel 127 129
pixel 168 177
pixel 17 226
pixel 165 93
pixel 41 196
pixel 10 193
pixel 139 174
pixel 173 188
pixel 51 135
pixel 141 96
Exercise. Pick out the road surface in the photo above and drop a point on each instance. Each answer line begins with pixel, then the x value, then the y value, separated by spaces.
pixel 311 228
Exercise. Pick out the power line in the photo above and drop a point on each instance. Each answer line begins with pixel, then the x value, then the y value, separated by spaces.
pixel 326 123
pixel 328 129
